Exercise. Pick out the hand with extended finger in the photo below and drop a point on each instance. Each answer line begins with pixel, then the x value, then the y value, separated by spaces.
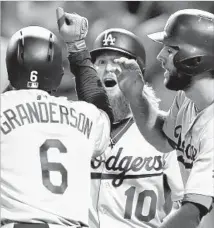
pixel 73 28
pixel 130 78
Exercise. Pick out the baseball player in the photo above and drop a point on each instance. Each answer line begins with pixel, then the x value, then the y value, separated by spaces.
pixel 128 181
pixel 46 142
pixel 187 58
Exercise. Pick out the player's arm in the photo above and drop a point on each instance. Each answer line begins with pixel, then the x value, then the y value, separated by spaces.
pixel 173 184
pixel 173 178
pixel 199 193
pixel 88 86
pixel 188 216
pixel 102 134
pixel 73 28
pixel 148 117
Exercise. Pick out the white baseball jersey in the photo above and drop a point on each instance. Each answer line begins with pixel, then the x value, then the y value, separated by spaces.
pixel 192 134
pixel 128 184
pixel 46 148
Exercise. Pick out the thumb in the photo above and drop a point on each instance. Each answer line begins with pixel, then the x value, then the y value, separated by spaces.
pixel 60 15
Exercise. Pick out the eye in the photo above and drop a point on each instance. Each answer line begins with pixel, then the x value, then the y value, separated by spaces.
pixel 101 62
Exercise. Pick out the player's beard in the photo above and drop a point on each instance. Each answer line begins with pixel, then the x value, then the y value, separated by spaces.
pixel 178 81
pixel 120 106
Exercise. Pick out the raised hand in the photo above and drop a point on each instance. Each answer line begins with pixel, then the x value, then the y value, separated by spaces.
pixel 73 28
pixel 129 76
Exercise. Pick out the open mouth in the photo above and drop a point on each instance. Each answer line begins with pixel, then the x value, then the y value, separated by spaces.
pixel 108 82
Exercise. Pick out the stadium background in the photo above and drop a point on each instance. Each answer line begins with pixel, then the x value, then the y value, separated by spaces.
pixel 139 17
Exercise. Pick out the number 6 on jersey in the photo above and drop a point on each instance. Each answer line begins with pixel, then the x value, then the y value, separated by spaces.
pixel 47 167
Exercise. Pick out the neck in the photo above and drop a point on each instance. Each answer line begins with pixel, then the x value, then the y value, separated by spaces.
pixel 201 93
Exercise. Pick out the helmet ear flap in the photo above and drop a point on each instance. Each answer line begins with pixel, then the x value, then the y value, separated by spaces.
pixel 195 65
pixel 193 62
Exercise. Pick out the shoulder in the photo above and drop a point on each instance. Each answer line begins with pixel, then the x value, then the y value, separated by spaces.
pixel 178 105
pixel 8 94
pixel 208 130
pixel 16 97
pixel 24 94
pixel 205 123
pixel 88 107
pixel 8 98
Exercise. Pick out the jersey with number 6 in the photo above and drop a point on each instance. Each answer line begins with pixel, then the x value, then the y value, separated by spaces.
pixel 128 184
pixel 46 147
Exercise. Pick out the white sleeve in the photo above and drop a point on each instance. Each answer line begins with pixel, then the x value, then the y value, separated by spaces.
pixel 173 174
pixel 200 184
pixel 102 134
pixel 200 181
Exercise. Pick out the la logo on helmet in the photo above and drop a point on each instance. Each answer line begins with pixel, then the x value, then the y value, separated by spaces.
pixel 108 40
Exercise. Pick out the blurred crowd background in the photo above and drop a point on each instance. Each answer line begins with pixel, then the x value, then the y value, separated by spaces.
pixel 140 17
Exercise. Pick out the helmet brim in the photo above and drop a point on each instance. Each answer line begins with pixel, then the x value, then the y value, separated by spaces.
pixel 94 53
pixel 157 37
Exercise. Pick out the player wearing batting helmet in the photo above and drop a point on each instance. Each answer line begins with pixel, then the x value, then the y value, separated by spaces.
pixel 192 47
pixel 121 41
pixel 129 180
pixel 34 59
pixel 187 58
pixel 45 139
pixel 116 42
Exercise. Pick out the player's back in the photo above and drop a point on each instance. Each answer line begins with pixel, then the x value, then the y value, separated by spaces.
pixel 46 147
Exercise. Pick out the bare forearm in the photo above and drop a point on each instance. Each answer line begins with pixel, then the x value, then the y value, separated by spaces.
pixel 149 120
pixel 143 103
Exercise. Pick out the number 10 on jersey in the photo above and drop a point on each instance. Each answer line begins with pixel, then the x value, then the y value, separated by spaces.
pixel 138 210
